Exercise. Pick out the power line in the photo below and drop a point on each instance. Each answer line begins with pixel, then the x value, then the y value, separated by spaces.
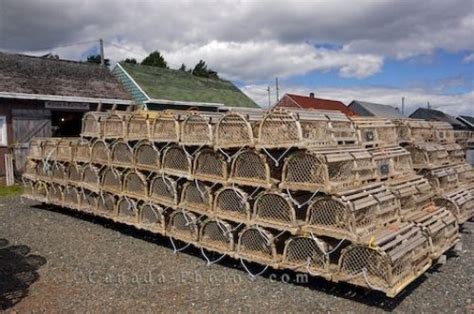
pixel 124 48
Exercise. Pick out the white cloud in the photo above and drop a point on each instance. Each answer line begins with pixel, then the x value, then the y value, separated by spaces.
pixel 468 58
pixel 453 104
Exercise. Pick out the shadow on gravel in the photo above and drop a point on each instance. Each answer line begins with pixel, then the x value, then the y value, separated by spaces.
pixel 18 270
pixel 342 290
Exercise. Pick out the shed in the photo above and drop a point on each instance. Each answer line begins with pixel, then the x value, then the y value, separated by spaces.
pixel 368 109
pixel 436 115
pixel 311 102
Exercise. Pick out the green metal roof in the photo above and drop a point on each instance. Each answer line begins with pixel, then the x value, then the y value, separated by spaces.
pixel 159 83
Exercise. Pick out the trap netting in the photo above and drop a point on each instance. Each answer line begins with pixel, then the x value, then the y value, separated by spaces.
pixel 428 155
pixel 238 128
pixel 327 170
pixel 72 197
pixel 459 202
pixel 135 184
pixel 403 131
pixel 465 173
pixel 58 173
pixel 106 204
pixel 183 226
pixel 389 260
pixel 414 193
pixel 463 137
pixel 66 149
pixel 40 191
pixel 165 127
pixel 232 203
pixel 74 173
pixel 210 165
pixel 100 152
pixel 54 194
pixel 91 178
pixel 151 217
pixel 83 151
pixel 352 214
pixel 50 148
pixel 455 152
pixel 198 128
pixel 31 169
pixel 307 254
pixel 443 179
pixel 196 197
pixel 164 191
pixel 177 162
pixel 420 130
pixel 218 236
pixel 392 161
pixel 115 125
pixel 372 131
pixel 139 125
pixel 91 124
pixel 252 168
pixel 127 210
pixel 146 156
pixel 121 154
pixel 440 227
pixel 443 132
pixel 111 180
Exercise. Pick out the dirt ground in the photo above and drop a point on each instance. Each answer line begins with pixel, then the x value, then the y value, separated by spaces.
pixel 57 260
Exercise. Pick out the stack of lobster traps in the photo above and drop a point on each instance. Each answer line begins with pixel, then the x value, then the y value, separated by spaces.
pixel 311 191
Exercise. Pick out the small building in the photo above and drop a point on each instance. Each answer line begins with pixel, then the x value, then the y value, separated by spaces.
pixel 159 88
pixel 436 115
pixel 47 97
pixel 311 102
pixel 468 121
pixel 369 109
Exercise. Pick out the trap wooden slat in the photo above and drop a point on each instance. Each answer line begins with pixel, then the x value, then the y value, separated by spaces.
pixel 92 126
pixel 197 128
pixel 238 128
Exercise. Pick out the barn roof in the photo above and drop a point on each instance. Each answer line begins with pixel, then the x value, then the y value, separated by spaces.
pixel 310 102
pixel 467 120
pixel 172 85
pixel 435 115
pixel 49 78
pixel 365 108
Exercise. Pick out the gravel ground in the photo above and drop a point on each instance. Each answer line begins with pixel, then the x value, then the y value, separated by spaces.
pixel 55 260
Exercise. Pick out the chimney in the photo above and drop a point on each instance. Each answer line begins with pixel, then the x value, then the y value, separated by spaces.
pixel 311 95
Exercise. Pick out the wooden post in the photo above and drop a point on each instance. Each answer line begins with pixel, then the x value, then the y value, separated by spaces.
pixel 10 177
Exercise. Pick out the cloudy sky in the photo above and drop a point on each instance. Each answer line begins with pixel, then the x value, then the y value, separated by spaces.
pixel 377 50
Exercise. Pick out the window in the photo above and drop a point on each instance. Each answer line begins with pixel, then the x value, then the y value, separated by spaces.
pixel 3 131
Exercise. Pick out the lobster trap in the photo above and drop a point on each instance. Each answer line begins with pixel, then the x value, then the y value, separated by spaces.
pixel 183 226
pixel 91 178
pixel 390 260
pixel 135 184
pixel 127 211
pixel 414 193
pixel 177 162
pixel 442 179
pixel 106 204
pixel 210 165
pixel 440 227
pixel 151 217
pixel 74 174
pixel 54 194
pixel 455 152
pixel 165 127
pixel 66 149
pixel 237 128
pixel 218 236
pixel 232 203
pixel 40 191
pixel 100 152
pixel 139 126
pixel 465 173
pixel 327 170
pixel 31 169
pixel 375 132
pixel 72 197
pixel 252 168
pixel 427 155
pixel 35 148
pixel 111 180
pixel 420 130
pixel 391 162
pixel 121 154
pixel 50 148
pixel 443 132
pixel 197 128
pixel 307 254
pixel 165 191
pixel 91 124
pixel 459 202
pixel 83 151
pixel 115 125
pixel 146 156
pixel 196 197
pixel 58 173
pixel 352 214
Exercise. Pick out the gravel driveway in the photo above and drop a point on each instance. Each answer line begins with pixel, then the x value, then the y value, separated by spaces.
pixel 55 260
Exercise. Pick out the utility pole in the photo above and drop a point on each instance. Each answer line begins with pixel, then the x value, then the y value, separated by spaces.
pixel 277 89
pixel 269 100
pixel 102 58
pixel 428 105
pixel 403 105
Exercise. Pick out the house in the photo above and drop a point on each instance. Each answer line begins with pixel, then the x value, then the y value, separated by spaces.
pixel 159 88
pixel 368 109
pixel 48 96
pixel 468 122
pixel 436 115
pixel 311 102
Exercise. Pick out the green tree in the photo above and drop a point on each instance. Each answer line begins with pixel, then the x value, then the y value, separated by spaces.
pixel 155 59
pixel 182 67
pixel 96 59
pixel 201 70
pixel 130 60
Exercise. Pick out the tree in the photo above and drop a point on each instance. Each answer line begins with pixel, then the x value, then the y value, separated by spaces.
pixel 200 69
pixel 182 67
pixel 130 60
pixel 155 59
pixel 96 59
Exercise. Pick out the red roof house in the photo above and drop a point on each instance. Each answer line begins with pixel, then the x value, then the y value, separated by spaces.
pixel 310 102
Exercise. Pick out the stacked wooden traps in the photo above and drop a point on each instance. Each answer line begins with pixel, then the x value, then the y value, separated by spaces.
pixel 312 191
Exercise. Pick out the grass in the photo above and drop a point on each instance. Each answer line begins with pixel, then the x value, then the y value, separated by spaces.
pixel 8 191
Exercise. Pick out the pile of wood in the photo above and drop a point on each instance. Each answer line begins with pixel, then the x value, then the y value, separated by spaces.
pixel 310 191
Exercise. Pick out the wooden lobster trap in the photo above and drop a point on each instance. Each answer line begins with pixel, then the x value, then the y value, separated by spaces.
pixel 353 214
pixel 40 191
pixel 121 154
pixel 197 128
pixel 196 197
pixel 465 173
pixel 237 128
pixel 165 127
pixel 72 197
pixel 375 132
pixel 31 170
pixel 92 126
pixel 414 193
pixel 44 170
pixel 106 205
pixel 66 149
pixel 341 129
pixel 115 125
pixel 308 255
pixel 442 179
pixel 327 170
pixel 420 130
pixel 252 168
pixel 260 245
pixel 100 153
pixel 459 202
pixel 164 190
pixel 210 165
pixel 232 203
pixel 74 173
pixel 428 155
pixel 126 211
pixel 443 132
pixel 54 194
pixel 83 151
pixel 151 217
pixel 277 210
pixel 139 125
pixel 50 148
pixel 390 259
pixel 183 226
pixel 218 236
pixel 135 184
pixel 35 150
pixel 111 180
pixel 463 137
pixel 177 162
pixel 91 178
pixel 440 227
pixel 146 156
pixel 28 187
pixel 391 161
pixel 455 152
pixel 58 173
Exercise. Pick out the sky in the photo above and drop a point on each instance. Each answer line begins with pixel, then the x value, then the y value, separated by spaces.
pixel 372 50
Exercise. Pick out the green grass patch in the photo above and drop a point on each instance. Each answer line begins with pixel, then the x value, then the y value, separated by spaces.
pixel 13 190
